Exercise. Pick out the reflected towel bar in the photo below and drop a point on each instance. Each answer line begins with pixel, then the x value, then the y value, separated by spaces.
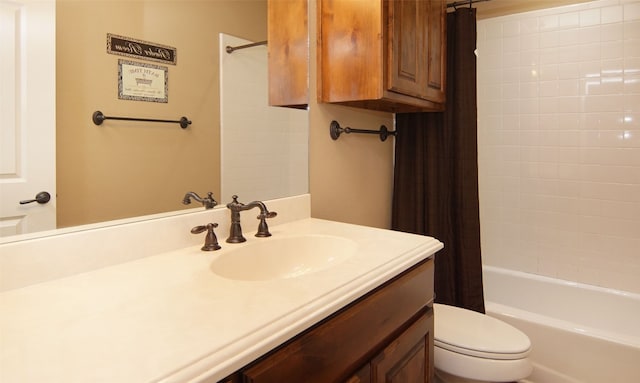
pixel 98 118
pixel 230 49
pixel 335 130
pixel 462 3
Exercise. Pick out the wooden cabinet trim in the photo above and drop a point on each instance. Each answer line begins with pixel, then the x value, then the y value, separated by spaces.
pixel 363 375
pixel 436 54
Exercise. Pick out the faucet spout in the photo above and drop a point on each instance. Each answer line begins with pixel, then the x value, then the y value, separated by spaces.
pixel 235 234
pixel 208 202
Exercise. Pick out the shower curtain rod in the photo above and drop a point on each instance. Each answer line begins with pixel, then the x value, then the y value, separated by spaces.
pixel 456 4
pixel 230 49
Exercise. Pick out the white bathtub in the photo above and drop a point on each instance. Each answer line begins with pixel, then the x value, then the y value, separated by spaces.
pixel 580 333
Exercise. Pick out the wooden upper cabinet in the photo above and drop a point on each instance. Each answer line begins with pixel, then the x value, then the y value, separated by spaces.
pixel 385 54
pixel 288 47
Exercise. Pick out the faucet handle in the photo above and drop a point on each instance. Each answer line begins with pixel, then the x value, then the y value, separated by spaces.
pixel 209 202
pixel 269 214
pixel 263 228
pixel 211 241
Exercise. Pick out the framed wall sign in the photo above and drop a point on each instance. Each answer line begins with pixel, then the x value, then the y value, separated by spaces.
pixel 142 82
pixel 142 50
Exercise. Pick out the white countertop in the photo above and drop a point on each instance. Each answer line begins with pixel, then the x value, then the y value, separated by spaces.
pixel 169 318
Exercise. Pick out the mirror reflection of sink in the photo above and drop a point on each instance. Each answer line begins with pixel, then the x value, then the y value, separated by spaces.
pixel 284 257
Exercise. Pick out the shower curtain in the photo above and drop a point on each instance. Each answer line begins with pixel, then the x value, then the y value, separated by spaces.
pixel 436 173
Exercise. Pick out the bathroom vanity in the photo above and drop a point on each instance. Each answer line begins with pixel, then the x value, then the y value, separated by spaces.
pixel 385 336
pixel 318 300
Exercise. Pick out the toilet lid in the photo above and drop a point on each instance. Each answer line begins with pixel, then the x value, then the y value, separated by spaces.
pixel 474 334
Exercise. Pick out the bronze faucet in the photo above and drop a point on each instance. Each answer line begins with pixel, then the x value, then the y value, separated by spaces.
pixel 208 202
pixel 235 232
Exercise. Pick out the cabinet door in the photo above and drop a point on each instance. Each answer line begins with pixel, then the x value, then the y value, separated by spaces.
pixel 350 50
pixel 415 48
pixel 362 376
pixel 408 359
pixel 288 53
pixel 406 39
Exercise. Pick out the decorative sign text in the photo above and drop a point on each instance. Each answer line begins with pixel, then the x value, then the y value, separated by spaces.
pixel 139 49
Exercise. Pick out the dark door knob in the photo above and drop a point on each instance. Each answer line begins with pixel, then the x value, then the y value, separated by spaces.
pixel 42 197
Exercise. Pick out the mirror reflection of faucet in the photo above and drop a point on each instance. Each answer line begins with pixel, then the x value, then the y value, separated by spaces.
pixel 208 202
pixel 235 232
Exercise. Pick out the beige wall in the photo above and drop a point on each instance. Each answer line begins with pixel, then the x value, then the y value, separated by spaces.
pixel 123 169
pixel 351 179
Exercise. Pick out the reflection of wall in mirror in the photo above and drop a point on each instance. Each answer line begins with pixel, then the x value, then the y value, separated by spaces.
pixel 123 169
pixel 264 148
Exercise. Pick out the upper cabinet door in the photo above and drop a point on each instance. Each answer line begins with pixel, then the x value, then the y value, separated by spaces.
pixel 386 55
pixel 288 46
pixel 417 37
pixel 406 38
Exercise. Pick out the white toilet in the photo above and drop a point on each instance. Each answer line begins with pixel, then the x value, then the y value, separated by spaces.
pixel 471 347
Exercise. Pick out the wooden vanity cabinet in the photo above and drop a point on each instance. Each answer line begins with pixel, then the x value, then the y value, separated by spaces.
pixel 387 55
pixel 385 336
pixel 409 358
pixel 288 47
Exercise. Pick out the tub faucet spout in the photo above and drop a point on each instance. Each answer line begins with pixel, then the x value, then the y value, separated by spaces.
pixel 235 232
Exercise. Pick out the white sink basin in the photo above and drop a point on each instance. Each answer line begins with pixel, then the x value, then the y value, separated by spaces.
pixel 284 257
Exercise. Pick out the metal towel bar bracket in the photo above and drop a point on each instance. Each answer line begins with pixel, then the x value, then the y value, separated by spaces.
pixel 98 118
pixel 335 130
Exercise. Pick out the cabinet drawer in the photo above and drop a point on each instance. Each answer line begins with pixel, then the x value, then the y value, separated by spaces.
pixel 336 347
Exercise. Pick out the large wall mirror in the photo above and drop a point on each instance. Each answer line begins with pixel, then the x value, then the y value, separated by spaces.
pixel 124 169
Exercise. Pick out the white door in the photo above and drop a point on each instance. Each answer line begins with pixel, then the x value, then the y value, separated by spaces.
pixel 27 115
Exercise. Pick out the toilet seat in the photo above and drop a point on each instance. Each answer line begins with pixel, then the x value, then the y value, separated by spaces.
pixel 477 335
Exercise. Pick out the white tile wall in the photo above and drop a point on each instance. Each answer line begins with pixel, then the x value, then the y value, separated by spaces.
pixel 264 149
pixel 559 142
